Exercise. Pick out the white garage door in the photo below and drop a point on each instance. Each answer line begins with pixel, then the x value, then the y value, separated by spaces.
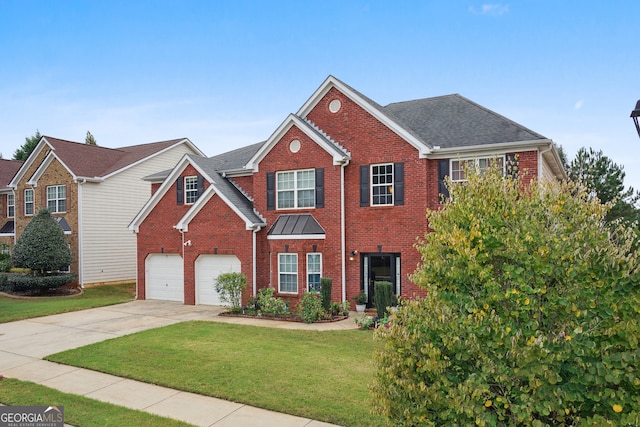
pixel 208 268
pixel 164 277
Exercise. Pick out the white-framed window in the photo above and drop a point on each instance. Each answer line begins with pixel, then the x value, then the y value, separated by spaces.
pixel 57 198
pixel 190 189
pixel 382 184
pixel 288 273
pixel 460 167
pixel 296 189
pixel 28 201
pixel 11 206
pixel 314 271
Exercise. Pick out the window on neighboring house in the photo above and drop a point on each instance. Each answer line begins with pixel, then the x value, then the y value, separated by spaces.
pixel 382 184
pixel 459 168
pixel 11 206
pixel 57 198
pixel 314 271
pixel 28 201
pixel 296 189
pixel 190 189
pixel 288 273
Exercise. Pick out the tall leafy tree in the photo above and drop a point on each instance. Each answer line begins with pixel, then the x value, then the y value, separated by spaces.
pixel 604 179
pixel 29 145
pixel 530 316
pixel 89 139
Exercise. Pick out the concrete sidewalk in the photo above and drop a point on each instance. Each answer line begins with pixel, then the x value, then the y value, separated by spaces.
pixel 24 343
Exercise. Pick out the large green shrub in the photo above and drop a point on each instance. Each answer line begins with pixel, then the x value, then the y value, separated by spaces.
pixel 383 296
pixel 268 303
pixel 42 246
pixel 230 287
pixel 31 284
pixel 310 307
pixel 532 314
pixel 325 291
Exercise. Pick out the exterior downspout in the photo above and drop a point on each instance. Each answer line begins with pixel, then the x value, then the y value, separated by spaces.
pixel 81 235
pixel 540 160
pixel 343 237
pixel 256 229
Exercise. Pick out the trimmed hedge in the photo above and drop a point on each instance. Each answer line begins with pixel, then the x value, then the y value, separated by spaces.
pixel 29 283
pixel 383 297
pixel 325 292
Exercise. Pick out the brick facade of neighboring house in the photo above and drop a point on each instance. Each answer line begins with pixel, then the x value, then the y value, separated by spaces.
pixel 92 191
pixel 339 190
pixel 8 168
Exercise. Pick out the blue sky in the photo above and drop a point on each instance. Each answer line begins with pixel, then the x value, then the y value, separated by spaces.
pixel 226 73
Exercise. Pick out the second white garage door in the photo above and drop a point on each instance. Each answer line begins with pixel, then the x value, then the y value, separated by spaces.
pixel 208 268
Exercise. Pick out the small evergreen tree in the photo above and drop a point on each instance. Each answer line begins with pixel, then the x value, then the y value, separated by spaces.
pixel 29 145
pixel 89 139
pixel 42 246
pixel 325 292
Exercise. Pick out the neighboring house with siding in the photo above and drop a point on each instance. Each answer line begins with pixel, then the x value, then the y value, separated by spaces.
pixel 93 192
pixel 339 190
pixel 8 169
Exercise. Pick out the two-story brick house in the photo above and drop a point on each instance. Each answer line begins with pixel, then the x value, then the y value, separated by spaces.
pixel 8 169
pixel 339 190
pixel 93 192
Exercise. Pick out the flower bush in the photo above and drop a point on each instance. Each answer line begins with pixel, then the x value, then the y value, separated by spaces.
pixel 269 304
pixel 310 308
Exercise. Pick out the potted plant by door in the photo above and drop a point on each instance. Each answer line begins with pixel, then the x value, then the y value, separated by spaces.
pixel 361 302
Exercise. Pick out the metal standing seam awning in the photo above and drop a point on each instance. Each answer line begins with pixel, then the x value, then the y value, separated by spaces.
pixel 302 226
pixel 8 229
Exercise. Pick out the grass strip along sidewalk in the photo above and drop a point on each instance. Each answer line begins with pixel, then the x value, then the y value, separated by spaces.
pixel 78 410
pixel 318 375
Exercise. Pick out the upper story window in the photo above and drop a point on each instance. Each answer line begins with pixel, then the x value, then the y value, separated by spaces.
pixel 460 167
pixel 28 201
pixel 11 206
pixel 382 184
pixel 296 189
pixel 57 198
pixel 190 189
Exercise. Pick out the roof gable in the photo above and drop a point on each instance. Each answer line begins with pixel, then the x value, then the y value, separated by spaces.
pixel 338 153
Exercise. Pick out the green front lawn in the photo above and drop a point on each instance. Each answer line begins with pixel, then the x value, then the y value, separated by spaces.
pixel 25 308
pixel 78 410
pixel 317 375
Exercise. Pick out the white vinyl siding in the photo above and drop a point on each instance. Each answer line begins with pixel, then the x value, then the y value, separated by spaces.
pixel 108 247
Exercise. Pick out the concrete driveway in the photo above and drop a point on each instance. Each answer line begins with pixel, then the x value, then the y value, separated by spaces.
pixel 24 343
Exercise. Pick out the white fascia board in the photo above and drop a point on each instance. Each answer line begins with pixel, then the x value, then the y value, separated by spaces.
pixel 331 81
pixel 27 164
pixel 499 148
pixel 43 167
pixel 183 224
pixel 150 156
pixel 288 123
pixel 298 237
pixel 155 198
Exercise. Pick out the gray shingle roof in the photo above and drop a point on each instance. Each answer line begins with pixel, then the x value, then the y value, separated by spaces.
pixel 455 121
pixel 214 167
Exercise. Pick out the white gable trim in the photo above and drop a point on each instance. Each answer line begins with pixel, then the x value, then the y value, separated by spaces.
pixel 27 164
pixel 291 121
pixel 44 166
pixel 157 153
pixel 332 82
pixel 157 196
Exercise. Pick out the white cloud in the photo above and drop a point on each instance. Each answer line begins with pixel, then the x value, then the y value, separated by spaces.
pixel 490 9
pixel 578 105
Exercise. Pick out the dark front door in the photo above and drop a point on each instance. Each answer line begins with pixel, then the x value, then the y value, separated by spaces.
pixel 377 268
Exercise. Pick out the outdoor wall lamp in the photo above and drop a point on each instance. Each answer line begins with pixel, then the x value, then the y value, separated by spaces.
pixel 635 114
pixel 352 255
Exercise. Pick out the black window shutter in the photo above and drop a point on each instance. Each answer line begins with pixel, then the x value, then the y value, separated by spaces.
pixel 398 184
pixel 320 188
pixel 512 165
pixel 443 171
pixel 179 193
pixel 364 185
pixel 200 185
pixel 271 191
